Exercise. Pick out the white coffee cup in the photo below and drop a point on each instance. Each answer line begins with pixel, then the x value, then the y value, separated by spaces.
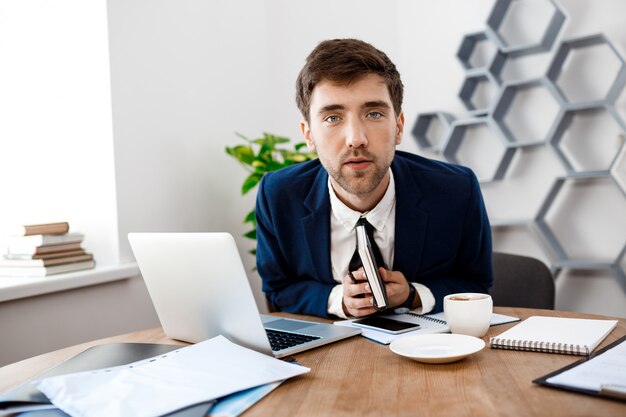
pixel 468 313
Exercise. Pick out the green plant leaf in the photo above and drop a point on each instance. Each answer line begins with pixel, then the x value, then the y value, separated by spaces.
pixel 251 218
pixel 259 164
pixel 266 151
pixel 279 139
pixel 251 182
pixel 241 136
pixel 273 166
pixel 299 158
pixel 244 154
pixel 286 153
pixel 263 155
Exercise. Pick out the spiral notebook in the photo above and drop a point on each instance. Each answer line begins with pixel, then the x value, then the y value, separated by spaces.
pixel 555 335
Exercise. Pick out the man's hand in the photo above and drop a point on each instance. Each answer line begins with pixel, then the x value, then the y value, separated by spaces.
pixel 357 295
pixel 396 285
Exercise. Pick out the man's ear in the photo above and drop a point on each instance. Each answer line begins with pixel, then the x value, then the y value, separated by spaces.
pixel 399 127
pixel 306 133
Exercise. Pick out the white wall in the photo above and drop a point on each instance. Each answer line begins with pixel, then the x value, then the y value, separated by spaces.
pixel 186 76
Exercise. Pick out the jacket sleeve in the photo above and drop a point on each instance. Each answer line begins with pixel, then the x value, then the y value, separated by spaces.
pixel 287 281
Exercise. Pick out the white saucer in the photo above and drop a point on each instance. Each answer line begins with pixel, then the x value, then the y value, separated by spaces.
pixel 437 348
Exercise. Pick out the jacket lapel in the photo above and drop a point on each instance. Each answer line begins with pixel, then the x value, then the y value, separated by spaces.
pixel 411 222
pixel 316 227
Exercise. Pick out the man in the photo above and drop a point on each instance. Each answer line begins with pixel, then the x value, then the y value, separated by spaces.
pixel 429 219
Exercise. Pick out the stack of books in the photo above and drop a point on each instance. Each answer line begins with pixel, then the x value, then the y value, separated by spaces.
pixel 44 249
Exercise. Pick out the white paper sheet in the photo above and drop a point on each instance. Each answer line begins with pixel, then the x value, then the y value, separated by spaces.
pixel 166 383
pixel 608 368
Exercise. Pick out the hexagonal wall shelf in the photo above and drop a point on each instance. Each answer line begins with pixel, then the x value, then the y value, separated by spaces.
pixel 478 92
pixel 588 69
pixel 575 113
pixel 620 269
pixel 523 189
pixel 431 130
pixel 620 104
pixel 527 231
pixel 588 139
pixel 479 144
pixel 577 210
pixel 544 19
pixel 497 65
pixel 618 169
pixel 477 51
pixel 519 113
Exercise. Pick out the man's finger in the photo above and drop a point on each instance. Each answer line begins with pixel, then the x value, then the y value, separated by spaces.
pixel 354 303
pixel 384 274
pixel 352 290
pixel 358 275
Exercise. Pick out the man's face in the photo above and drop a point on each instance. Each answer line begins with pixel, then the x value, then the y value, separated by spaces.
pixel 354 130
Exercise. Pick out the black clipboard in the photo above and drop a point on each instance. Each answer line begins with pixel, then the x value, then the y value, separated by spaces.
pixel 544 379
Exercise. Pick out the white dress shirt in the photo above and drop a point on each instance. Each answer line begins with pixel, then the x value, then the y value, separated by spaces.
pixel 343 242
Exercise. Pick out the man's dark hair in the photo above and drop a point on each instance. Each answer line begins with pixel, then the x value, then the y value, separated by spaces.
pixel 344 61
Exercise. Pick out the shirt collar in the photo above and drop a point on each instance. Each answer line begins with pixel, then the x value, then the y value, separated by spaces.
pixel 377 216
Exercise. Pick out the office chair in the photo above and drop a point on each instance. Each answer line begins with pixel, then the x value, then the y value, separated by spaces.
pixel 521 281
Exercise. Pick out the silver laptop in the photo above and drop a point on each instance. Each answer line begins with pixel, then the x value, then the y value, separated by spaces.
pixel 199 289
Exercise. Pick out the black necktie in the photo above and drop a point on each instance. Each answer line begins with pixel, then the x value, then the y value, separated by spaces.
pixel 355 262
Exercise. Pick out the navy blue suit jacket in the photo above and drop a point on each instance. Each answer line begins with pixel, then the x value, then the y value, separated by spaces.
pixel 442 235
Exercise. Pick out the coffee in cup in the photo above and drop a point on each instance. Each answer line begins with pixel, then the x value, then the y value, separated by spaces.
pixel 468 313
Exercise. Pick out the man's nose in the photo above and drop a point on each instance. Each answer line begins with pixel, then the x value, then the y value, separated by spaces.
pixel 355 134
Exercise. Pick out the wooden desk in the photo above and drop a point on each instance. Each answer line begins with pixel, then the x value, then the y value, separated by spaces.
pixel 359 377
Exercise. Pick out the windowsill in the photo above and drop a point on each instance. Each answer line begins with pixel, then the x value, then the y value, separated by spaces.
pixel 13 288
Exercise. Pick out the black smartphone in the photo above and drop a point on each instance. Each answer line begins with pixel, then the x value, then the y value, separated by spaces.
pixel 383 324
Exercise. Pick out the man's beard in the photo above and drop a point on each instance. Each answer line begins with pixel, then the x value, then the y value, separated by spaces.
pixel 359 182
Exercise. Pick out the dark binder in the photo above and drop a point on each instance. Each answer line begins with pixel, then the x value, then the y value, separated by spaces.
pixel 96 357
pixel 370 267
pixel 544 379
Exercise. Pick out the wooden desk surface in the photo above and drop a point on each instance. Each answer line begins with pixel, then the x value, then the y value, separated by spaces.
pixel 359 377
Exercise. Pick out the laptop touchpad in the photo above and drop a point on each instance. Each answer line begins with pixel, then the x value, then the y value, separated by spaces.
pixel 288 325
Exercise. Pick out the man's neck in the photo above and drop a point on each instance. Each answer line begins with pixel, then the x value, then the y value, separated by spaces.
pixel 364 202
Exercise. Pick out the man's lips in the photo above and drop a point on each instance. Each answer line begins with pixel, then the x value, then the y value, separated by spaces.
pixel 357 163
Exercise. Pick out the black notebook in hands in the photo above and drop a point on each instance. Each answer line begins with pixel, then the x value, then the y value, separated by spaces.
pixel 370 268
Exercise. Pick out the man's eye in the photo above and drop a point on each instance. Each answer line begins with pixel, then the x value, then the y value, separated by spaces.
pixel 374 115
pixel 332 119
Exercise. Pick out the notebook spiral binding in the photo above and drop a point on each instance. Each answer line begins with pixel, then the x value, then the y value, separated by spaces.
pixel 427 318
pixel 535 346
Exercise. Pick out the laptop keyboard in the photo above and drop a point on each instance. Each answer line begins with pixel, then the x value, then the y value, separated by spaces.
pixel 283 340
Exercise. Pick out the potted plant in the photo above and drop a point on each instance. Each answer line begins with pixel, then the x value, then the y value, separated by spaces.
pixel 262 155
